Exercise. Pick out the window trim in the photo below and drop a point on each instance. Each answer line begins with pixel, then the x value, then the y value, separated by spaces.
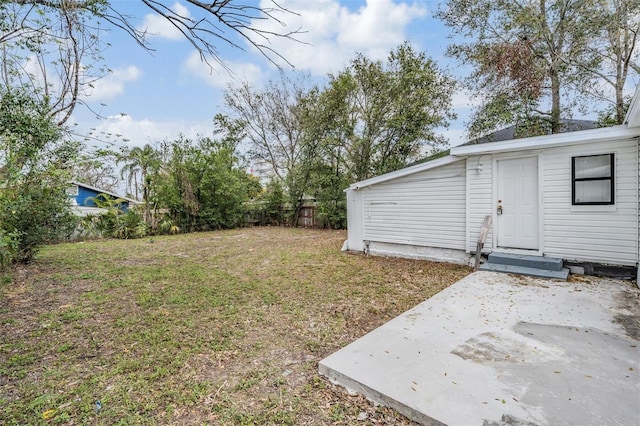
pixel 73 191
pixel 610 178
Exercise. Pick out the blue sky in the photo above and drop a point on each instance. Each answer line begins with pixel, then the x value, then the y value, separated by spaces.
pixel 170 91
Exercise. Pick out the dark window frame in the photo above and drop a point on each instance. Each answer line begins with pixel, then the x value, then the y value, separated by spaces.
pixel 610 178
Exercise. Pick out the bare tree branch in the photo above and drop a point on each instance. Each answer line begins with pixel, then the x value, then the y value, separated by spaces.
pixel 219 21
pixel 38 27
pixel 223 19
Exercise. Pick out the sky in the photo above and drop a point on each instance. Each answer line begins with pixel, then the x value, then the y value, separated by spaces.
pixel 153 96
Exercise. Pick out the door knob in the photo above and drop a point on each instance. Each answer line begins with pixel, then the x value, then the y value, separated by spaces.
pixel 499 208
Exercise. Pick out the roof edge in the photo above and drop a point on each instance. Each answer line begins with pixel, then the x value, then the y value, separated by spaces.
pixel 547 141
pixel 632 119
pixel 404 172
pixel 103 191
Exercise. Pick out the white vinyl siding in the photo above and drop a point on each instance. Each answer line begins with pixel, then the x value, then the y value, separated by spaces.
pixel 422 209
pixel 444 207
pixel 479 199
pixel 603 234
pixel 354 220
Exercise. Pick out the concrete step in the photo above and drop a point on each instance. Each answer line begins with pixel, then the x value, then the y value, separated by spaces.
pixel 528 261
pixel 562 274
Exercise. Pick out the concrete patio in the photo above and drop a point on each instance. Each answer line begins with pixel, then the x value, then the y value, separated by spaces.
pixel 497 349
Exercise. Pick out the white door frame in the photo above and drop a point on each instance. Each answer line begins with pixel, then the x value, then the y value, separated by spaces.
pixel 494 203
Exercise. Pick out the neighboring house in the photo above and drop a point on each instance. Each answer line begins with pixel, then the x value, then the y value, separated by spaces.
pixel 569 195
pixel 81 197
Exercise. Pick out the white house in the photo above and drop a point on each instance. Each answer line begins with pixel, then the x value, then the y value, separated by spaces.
pixel 571 195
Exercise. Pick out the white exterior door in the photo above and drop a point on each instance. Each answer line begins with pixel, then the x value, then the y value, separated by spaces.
pixel 517 212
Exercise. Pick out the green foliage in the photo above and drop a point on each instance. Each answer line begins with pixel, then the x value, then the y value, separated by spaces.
pixel 9 243
pixel 34 163
pixel 269 207
pixel 378 117
pixel 220 188
pixel 59 36
pixel 535 62
pixel 275 200
pixel 202 183
pixel 114 222
pixel 331 201
pixel 144 162
pixel 32 215
pixel 609 117
pixel 374 117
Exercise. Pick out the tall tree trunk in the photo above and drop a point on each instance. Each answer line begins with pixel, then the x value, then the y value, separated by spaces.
pixel 555 100
pixel 135 184
pixel 620 107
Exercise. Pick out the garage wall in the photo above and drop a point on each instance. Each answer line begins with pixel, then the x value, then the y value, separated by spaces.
pixel 422 209
pixel 354 220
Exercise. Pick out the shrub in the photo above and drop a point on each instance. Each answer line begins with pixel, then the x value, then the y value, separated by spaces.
pixel 115 222
pixel 32 215
pixel 34 162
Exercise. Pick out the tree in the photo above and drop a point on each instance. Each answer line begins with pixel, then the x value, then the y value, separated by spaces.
pixel 96 169
pixel 203 183
pixel 609 117
pixel 274 123
pixel 204 24
pixel 51 50
pixel 272 120
pixel 144 162
pixel 372 118
pixel 530 57
pixel 51 55
pixel 616 50
pixel 221 187
pixel 35 167
pixel 217 21
pixel 378 117
pixel 53 47
pixel 274 202
pixel 174 187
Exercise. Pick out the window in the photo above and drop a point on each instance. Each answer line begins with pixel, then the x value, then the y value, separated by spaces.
pixel 592 180
pixel 72 191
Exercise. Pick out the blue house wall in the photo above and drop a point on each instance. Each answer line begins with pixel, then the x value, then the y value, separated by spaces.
pixel 85 197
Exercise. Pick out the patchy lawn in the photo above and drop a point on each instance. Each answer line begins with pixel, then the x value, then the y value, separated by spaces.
pixel 210 328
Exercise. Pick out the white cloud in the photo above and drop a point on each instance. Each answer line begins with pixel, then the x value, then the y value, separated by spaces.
pixel 378 20
pixel 156 25
pixel 104 88
pixel 113 83
pixel 137 132
pixel 334 33
pixel 462 99
pixel 219 77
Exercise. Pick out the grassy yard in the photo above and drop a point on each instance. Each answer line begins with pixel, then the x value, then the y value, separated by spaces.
pixel 210 328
